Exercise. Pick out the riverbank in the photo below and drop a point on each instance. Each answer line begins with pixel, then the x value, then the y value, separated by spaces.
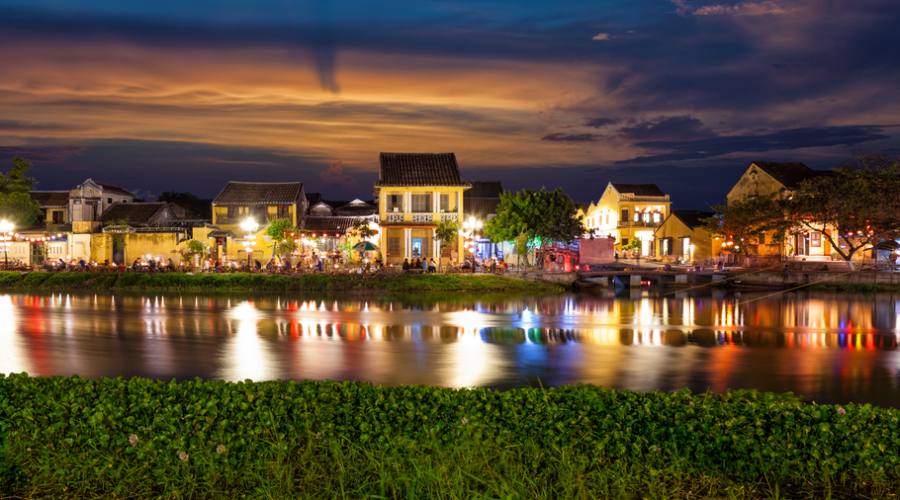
pixel 72 437
pixel 206 283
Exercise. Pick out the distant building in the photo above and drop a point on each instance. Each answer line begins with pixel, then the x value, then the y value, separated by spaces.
pixel 415 191
pixel 262 202
pixel 54 210
pixel 765 178
pixel 628 212
pixel 327 222
pixel 480 202
pixel 683 237
pixel 88 201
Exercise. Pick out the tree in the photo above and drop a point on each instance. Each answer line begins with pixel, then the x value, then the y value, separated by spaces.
pixel 853 208
pixel 278 230
pixel 532 218
pixel 361 230
pixel 194 248
pixel 446 231
pixel 16 203
pixel 744 224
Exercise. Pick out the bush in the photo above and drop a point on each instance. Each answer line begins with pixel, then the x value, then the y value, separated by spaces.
pixel 252 282
pixel 139 437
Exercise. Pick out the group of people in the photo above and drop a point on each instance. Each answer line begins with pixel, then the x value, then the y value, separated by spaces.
pixel 426 265
pixel 485 266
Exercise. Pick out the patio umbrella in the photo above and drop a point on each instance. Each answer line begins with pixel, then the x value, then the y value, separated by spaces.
pixel 365 246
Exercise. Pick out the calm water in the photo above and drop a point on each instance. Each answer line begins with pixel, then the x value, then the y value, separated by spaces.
pixel 828 348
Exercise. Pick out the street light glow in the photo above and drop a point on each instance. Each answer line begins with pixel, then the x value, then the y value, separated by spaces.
pixel 6 226
pixel 249 225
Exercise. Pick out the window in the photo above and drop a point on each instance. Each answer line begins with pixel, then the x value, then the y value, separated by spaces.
pixel 646 217
pixel 395 203
pixel 666 246
pixel 815 239
pixel 624 242
pixel 284 212
pixel 393 245
pixel 656 217
pixel 57 217
pixel 421 202
pixel 686 246
pixel 444 202
pixel 624 215
pixel 637 216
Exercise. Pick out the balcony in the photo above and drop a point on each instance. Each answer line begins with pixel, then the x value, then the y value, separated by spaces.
pixel 450 216
pixel 394 217
pixel 421 217
pixel 639 223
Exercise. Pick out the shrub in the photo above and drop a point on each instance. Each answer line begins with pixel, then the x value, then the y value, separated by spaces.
pixel 139 437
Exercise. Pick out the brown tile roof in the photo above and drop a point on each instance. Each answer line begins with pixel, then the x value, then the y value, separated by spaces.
pixel 419 169
pixel 133 214
pixel 790 174
pixel 337 224
pixel 356 207
pixel 692 218
pixel 639 189
pixel 259 193
pixel 115 189
pixel 51 198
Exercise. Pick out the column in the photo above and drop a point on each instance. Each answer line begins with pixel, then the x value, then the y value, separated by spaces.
pixel 407 242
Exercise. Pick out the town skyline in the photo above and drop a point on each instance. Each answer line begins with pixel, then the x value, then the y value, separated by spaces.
pixel 683 94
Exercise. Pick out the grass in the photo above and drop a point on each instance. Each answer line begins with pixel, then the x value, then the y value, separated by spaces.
pixel 264 283
pixel 72 437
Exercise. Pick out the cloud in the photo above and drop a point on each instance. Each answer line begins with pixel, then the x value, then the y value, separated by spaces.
pixel 666 128
pixel 761 8
pixel 40 154
pixel 22 126
pixel 335 175
pixel 600 122
pixel 560 137
pixel 789 139
pixel 600 37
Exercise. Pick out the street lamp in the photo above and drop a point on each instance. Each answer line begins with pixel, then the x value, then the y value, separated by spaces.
pixel 249 226
pixel 6 229
pixel 469 229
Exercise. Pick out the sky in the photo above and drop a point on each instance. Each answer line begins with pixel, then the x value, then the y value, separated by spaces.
pixel 183 96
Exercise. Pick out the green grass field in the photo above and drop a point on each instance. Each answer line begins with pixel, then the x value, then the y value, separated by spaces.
pixel 138 438
pixel 264 283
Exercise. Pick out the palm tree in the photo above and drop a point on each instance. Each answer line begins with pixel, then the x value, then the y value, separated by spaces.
pixel 445 232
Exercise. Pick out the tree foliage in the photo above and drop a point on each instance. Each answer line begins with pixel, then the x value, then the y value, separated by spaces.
pixel 16 203
pixel 853 208
pixel 279 230
pixel 361 230
pixel 745 224
pixel 547 215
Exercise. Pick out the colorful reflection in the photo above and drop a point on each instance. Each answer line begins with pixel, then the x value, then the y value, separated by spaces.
pixel 828 347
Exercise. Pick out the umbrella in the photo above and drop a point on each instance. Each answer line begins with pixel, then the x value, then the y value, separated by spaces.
pixel 365 246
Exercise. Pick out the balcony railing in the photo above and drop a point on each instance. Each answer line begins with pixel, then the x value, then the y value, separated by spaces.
pixel 450 216
pixel 639 223
pixel 394 217
pixel 423 217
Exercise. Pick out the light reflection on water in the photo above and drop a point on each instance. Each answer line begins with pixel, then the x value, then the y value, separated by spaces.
pixel 825 347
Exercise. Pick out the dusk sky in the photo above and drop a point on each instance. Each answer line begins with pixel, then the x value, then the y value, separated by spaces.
pixel 185 95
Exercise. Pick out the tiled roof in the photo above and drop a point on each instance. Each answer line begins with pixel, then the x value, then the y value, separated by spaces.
pixel 338 224
pixel 356 207
pixel 115 189
pixel 639 189
pixel 133 214
pixel 692 218
pixel 790 174
pixel 419 169
pixel 259 193
pixel 51 198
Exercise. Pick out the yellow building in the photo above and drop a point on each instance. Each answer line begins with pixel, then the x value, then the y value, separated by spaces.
pixel 682 238
pixel 416 191
pixel 628 212
pixel 140 230
pixel 780 180
pixel 260 202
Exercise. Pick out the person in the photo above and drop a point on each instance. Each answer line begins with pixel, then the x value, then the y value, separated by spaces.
pixel 321 265
pixel 270 266
pixel 432 267
pixel 171 265
pixel 493 265
pixel 405 265
pixel 466 265
pixel 82 264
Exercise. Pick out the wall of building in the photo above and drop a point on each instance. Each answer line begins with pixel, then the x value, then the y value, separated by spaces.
pixel 407 224
pixel 674 230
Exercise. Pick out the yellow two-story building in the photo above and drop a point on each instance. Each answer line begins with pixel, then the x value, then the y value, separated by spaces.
pixel 415 191
pixel 256 202
pixel 628 213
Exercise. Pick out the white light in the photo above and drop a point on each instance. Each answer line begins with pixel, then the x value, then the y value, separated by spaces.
pixel 249 225
pixel 6 226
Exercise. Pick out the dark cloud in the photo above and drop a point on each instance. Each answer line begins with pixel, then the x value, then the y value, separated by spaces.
pixel 560 137
pixel 22 126
pixel 782 140
pixel 40 154
pixel 600 122
pixel 666 128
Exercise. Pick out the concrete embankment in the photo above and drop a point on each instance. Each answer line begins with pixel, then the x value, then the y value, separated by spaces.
pixel 849 280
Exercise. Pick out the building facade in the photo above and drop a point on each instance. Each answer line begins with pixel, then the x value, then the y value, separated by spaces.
pixel 415 192
pixel 628 213
pixel 683 238
pixel 780 180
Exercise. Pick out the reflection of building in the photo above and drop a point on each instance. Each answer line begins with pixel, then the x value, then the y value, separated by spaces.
pixel 480 203
pixel 264 202
pixel 415 192
pixel 779 180
pixel 628 213
pixel 682 237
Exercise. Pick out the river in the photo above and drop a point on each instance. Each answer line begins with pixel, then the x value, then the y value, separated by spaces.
pixel 824 347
